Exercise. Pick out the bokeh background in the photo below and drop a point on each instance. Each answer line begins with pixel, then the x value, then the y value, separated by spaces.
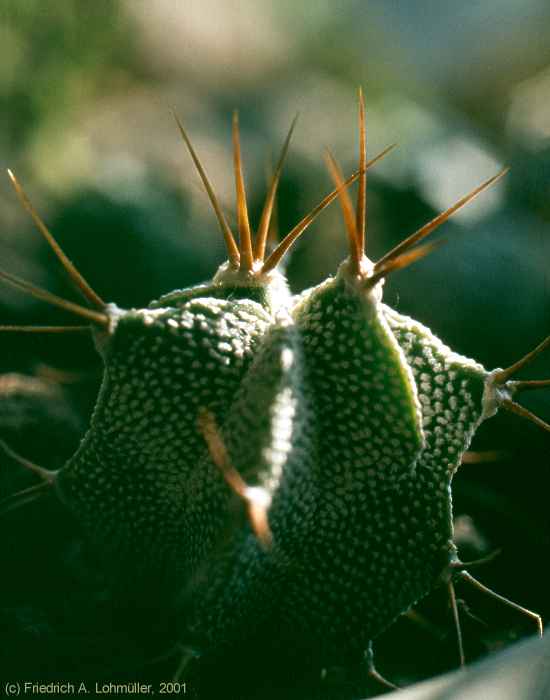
pixel 86 91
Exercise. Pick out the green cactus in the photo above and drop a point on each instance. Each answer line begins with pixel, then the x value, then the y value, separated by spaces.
pixel 337 421
pixel 186 352
pixel 389 412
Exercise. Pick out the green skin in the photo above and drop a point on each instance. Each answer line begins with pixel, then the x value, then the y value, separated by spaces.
pixel 384 535
pixel 270 437
pixel 395 409
pixel 141 482
pixel 351 417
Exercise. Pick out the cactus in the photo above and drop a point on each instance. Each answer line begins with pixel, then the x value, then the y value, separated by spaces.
pixel 338 422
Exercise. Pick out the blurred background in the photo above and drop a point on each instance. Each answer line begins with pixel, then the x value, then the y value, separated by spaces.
pixel 86 91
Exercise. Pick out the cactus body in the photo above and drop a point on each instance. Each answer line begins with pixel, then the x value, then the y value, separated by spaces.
pixel 134 482
pixel 341 424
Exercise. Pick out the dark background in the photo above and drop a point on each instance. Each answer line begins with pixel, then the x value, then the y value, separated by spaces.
pixel 85 97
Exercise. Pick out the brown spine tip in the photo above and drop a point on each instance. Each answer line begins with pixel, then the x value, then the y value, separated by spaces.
pixel 519 410
pixel 23 498
pixel 255 498
pixel 46 475
pixel 456 619
pixel 438 220
pixel 265 219
pixel 404 260
pixel 44 329
pixel 483 456
pixel 505 601
pixel 273 236
pixel 96 317
pixel 350 220
pixel 77 279
pixel 532 385
pixel 232 248
pixel 276 256
pixel 374 674
pixel 243 223
pixel 355 251
pixel 381 155
pixel 458 565
pixel 361 214
pixel 505 374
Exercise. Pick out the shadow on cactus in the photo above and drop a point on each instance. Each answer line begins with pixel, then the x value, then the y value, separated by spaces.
pixel 263 464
